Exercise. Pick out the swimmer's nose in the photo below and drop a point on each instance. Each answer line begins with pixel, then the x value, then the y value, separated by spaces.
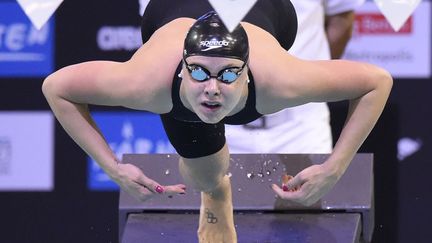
pixel 212 87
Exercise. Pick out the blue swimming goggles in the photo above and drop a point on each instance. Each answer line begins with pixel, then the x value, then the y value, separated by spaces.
pixel 226 75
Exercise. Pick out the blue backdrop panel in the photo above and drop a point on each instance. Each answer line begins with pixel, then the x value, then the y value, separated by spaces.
pixel 127 132
pixel 24 50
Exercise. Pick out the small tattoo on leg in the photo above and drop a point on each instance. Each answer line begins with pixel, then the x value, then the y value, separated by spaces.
pixel 211 218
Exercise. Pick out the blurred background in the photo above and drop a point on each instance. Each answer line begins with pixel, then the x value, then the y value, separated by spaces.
pixel 50 191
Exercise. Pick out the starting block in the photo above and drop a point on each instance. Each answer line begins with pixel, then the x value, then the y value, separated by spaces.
pixel 345 214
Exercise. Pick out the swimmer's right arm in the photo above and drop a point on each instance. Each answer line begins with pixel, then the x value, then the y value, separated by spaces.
pixel 70 90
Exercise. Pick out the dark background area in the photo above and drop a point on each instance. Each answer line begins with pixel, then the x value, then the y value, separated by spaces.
pixel 72 213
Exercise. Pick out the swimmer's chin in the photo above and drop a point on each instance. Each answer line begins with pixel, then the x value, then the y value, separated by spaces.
pixel 210 121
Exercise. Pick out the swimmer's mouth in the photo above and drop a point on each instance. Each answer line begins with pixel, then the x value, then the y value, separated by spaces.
pixel 211 105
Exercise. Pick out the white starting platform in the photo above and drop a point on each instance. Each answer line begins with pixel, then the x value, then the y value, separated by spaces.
pixel 344 215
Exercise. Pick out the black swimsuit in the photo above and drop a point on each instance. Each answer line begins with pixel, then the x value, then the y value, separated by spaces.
pixel 191 137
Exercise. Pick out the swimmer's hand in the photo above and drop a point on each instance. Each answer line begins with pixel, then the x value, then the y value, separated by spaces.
pixel 308 186
pixel 131 179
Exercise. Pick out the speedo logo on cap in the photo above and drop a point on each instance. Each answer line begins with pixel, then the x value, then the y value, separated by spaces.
pixel 213 44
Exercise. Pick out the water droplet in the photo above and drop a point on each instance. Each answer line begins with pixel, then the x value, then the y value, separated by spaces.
pixel 194 141
pixel 162 233
pixel 268 172
pixel 168 156
pixel 274 169
pixel 167 172
pixel 229 174
pixel 241 167
pixel 239 189
pixel 262 180
pixel 250 175
pixel 277 163
pixel 260 174
pixel 270 179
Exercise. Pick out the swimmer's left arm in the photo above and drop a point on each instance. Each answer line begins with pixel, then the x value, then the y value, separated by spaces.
pixel 367 87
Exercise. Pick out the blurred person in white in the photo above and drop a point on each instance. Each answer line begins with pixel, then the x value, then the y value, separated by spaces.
pixel 324 29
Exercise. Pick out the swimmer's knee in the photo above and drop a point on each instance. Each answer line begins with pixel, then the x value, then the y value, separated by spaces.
pixel 205 173
pixel 208 184
pixel 200 180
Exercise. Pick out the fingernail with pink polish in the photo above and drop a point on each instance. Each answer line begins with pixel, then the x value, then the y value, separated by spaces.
pixel 285 188
pixel 159 189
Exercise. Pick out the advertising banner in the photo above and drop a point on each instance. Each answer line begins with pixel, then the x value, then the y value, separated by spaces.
pixel 26 151
pixel 24 50
pixel 405 54
pixel 103 31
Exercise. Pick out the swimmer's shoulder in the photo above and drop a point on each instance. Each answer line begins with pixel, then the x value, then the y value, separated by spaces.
pixel 154 65
pixel 272 68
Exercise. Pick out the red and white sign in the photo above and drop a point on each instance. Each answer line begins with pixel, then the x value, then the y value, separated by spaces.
pixel 405 54
pixel 26 151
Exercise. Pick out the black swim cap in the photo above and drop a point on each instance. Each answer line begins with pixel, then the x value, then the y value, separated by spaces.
pixel 208 36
